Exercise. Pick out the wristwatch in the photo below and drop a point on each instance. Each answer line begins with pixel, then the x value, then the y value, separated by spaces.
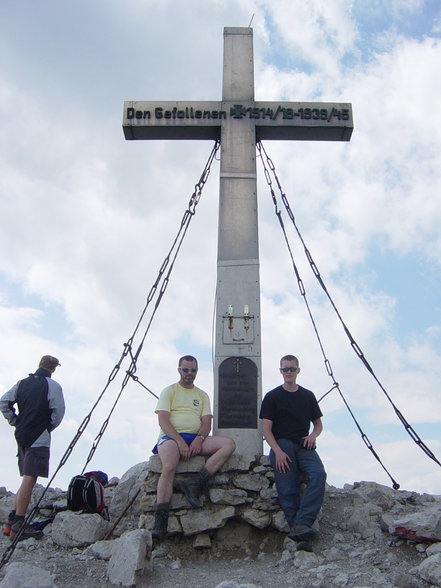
pixel 202 437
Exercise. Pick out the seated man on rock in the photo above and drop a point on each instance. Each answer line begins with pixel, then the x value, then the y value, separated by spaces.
pixel 184 417
pixel 287 413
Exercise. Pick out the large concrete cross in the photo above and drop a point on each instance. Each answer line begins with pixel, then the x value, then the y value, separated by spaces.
pixel 239 121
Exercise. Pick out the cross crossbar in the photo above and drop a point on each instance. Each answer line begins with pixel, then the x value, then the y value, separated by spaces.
pixel 307 121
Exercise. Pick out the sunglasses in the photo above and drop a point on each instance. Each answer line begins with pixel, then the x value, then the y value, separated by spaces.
pixel 288 369
pixel 186 370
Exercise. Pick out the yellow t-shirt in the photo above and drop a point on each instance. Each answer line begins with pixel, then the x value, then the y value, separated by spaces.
pixel 186 407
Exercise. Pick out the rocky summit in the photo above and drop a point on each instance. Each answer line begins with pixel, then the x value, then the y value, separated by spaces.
pixel 369 535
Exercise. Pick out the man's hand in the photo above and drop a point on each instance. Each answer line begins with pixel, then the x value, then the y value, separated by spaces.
pixel 309 442
pixel 282 461
pixel 184 449
pixel 195 446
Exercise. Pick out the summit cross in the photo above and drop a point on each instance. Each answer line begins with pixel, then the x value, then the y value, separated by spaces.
pixel 239 122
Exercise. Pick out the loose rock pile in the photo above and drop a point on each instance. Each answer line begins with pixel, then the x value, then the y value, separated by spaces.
pixel 370 535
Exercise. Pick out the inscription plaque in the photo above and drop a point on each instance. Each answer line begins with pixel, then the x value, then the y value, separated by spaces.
pixel 237 394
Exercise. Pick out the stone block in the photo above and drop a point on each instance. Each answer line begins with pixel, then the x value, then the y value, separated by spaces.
pixel 240 463
pixel 231 497
pixel 265 460
pixel 425 524
pixel 25 575
pixel 256 518
pixel 72 529
pixel 202 541
pixel 205 520
pixel 278 521
pixel 193 465
pixel 252 482
pixel 131 559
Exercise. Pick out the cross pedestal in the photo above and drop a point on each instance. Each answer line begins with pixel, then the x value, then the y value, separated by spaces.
pixel 239 121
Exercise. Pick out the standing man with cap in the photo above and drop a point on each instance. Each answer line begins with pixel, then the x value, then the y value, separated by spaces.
pixel 41 408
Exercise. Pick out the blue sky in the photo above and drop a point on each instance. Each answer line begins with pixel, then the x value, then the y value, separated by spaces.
pixel 87 217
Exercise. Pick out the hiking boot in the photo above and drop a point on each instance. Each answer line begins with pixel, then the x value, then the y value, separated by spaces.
pixel 27 533
pixel 193 487
pixel 8 524
pixel 302 533
pixel 159 530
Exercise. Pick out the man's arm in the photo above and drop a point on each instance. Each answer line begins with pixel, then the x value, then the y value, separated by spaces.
pixel 282 459
pixel 310 441
pixel 56 404
pixel 7 402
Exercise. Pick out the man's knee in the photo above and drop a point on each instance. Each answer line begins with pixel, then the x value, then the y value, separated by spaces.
pixel 168 468
pixel 230 445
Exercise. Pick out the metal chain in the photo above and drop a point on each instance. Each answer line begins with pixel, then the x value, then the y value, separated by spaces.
pixel 127 347
pixel 267 163
pixel 410 430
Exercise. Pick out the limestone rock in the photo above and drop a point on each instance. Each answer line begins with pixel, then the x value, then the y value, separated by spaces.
pixel 430 569
pixel 131 559
pixel 23 575
pixel 203 520
pixel 232 497
pixel 129 484
pixel 251 482
pixel 72 529
pixel 257 518
pixel 101 549
pixel 424 524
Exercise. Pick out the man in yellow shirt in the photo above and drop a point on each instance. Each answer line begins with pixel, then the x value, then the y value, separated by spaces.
pixel 185 417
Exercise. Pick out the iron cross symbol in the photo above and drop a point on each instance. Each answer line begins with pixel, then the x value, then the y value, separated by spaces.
pixel 238 121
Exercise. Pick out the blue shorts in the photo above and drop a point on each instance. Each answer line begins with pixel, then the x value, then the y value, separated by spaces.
pixel 188 438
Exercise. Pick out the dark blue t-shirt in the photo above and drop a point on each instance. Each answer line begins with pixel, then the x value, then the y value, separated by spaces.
pixel 290 412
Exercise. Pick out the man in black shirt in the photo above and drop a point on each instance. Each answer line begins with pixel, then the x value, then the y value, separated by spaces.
pixel 286 413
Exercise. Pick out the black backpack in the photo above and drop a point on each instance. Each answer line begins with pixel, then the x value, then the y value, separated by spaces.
pixel 86 493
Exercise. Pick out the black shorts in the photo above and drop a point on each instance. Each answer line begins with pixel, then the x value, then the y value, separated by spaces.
pixel 33 461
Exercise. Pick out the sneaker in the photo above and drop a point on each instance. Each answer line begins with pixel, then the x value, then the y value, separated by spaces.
pixel 302 533
pixel 27 533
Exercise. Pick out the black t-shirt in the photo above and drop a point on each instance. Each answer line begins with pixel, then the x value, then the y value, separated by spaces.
pixel 290 412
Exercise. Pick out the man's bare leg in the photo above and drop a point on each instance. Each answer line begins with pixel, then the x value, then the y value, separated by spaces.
pixel 219 449
pixel 23 496
pixel 169 455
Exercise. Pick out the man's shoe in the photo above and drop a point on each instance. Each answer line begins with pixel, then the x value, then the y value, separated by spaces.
pixel 302 533
pixel 191 490
pixel 159 530
pixel 8 524
pixel 27 533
